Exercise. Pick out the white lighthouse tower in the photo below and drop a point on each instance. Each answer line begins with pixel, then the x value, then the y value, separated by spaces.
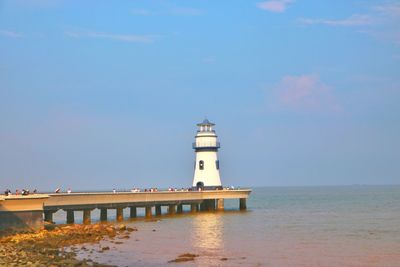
pixel 206 167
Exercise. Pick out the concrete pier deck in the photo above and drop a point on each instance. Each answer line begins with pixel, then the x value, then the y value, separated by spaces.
pixel 18 211
pixel 207 200
pixel 27 211
pixel 111 200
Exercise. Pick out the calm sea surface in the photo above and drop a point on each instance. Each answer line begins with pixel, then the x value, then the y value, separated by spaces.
pixel 283 226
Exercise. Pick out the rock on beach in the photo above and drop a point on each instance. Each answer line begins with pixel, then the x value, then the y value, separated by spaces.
pixel 47 247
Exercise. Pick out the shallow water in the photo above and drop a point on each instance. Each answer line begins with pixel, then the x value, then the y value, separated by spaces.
pixel 286 226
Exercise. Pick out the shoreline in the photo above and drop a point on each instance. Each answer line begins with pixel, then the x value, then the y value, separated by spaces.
pixel 52 246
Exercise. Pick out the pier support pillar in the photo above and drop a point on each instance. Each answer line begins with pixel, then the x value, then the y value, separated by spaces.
pixel 48 216
pixel 172 209
pixel 158 210
pixel 194 207
pixel 86 217
pixel 207 205
pixel 242 204
pixel 203 205
pixel 220 204
pixel 211 204
pixel 148 211
pixel 133 212
pixel 120 214
pixel 179 208
pixel 70 216
pixel 103 215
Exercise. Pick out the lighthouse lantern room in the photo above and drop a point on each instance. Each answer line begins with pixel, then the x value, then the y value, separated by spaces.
pixel 206 145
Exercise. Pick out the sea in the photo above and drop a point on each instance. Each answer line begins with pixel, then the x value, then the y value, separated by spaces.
pixel 282 226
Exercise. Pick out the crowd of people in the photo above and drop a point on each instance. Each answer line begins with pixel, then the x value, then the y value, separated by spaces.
pixel 23 192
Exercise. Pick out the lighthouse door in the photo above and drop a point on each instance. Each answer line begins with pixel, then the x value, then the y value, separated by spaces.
pixel 200 185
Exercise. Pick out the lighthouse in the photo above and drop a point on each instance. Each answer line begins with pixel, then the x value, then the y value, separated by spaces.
pixel 206 167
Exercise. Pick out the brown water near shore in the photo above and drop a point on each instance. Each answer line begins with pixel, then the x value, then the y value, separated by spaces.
pixel 328 226
pixel 208 237
pixel 332 226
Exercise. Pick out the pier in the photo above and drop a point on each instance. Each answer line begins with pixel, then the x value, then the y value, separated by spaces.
pixel 207 194
pixel 31 211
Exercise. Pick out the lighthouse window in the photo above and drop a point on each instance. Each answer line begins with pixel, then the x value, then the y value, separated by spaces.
pixel 217 164
pixel 201 165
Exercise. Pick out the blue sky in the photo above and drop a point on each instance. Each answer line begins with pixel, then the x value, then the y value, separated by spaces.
pixel 102 94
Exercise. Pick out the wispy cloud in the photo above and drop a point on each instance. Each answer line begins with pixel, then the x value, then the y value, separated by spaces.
pixel 35 3
pixel 387 28
pixel 186 11
pixel 209 60
pixel 133 38
pixel 305 92
pixel 141 12
pixel 391 9
pixel 380 21
pixel 11 34
pixel 277 6
pixel 353 20
pixel 174 11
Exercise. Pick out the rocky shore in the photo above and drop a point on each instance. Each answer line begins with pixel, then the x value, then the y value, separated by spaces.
pixel 48 247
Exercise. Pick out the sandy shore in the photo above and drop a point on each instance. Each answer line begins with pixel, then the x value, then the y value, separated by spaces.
pixel 48 247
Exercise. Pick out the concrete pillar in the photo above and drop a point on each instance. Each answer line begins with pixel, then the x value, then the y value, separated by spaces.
pixel 86 216
pixel 48 216
pixel 133 212
pixel 220 204
pixel 103 215
pixel 158 210
pixel 172 209
pixel 203 205
pixel 179 208
pixel 207 205
pixel 194 207
pixel 242 204
pixel 120 214
pixel 148 211
pixel 211 204
pixel 70 217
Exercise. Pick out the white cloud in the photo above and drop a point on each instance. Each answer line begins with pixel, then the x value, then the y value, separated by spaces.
pixel 353 20
pixel 111 36
pixel 277 6
pixel 305 92
pixel 11 34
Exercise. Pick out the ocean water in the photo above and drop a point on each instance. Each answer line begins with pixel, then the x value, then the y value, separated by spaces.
pixel 283 226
